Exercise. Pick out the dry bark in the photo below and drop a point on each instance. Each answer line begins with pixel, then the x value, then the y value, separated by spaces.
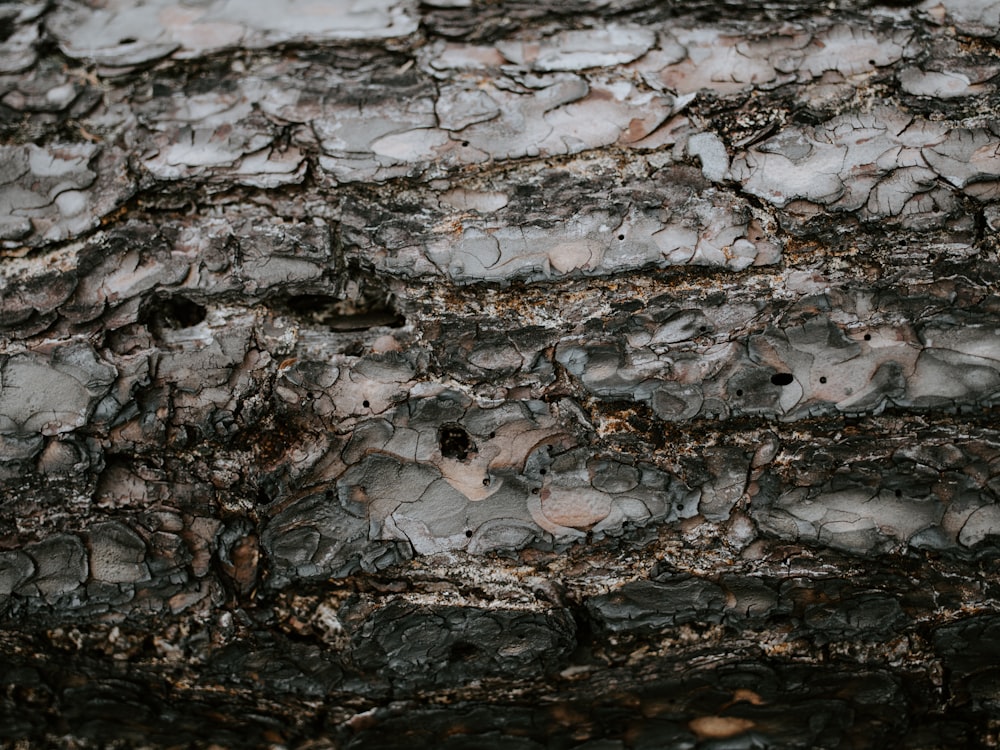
pixel 605 374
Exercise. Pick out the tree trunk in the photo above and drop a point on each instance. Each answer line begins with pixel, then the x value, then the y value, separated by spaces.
pixel 466 373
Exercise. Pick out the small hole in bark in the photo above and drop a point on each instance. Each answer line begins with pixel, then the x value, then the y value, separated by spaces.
pixel 183 313
pixel 486 482
pixel 127 40
pixel 171 314
pixel 492 435
pixel 871 62
pixel 468 533
pixel 543 472
pixel 868 337
pixel 465 143
pixel 455 442
pixel 899 493
pixel 739 391
pixel 534 490
pixel 366 403
pixel 621 236
pixel 463 651
pixel 782 378
pixel 822 379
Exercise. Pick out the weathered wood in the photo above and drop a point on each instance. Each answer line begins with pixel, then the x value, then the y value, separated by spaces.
pixel 464 374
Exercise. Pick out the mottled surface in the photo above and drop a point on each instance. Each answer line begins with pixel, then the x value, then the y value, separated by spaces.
pixel 601 375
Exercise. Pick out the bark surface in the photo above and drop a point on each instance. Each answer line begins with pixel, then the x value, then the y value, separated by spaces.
pixel 600 374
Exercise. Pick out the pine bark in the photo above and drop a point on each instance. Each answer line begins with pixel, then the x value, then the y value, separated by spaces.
pixel 605 374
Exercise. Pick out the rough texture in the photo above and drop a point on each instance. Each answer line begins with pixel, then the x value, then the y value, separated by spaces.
pixel 602 375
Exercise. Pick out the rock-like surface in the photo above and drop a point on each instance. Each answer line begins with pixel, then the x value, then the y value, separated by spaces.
pixel 463 374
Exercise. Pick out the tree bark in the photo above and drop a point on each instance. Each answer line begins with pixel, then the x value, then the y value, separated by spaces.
pixel 604 374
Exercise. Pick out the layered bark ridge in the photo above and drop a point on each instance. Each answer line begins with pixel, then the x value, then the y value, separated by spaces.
pixel 605 374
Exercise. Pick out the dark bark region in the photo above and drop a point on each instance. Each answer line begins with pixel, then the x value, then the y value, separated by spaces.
pixel 590 375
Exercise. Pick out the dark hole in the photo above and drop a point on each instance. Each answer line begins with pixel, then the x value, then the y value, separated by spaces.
pixel 463 651
pixel 629 305
pixel 822 379
pixel 868 337
pixel 366 403
pixel 455 442
pixel 680 507
pixel 127 40
pixel 172 314
pixel 492 435
pixel 871 62
pixel 313 395
pixel 899 493
pixel 931 256
pixel 739 391
pixel 465 143
pixel 702 328
pixel 468 533
pixel 782 378
pixel 183 312
pixel 486 482
pixel 534 490
pixel 621 236
pixel 160 89
pixel 543 472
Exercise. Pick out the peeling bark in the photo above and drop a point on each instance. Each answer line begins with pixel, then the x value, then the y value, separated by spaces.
pixel 594 374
